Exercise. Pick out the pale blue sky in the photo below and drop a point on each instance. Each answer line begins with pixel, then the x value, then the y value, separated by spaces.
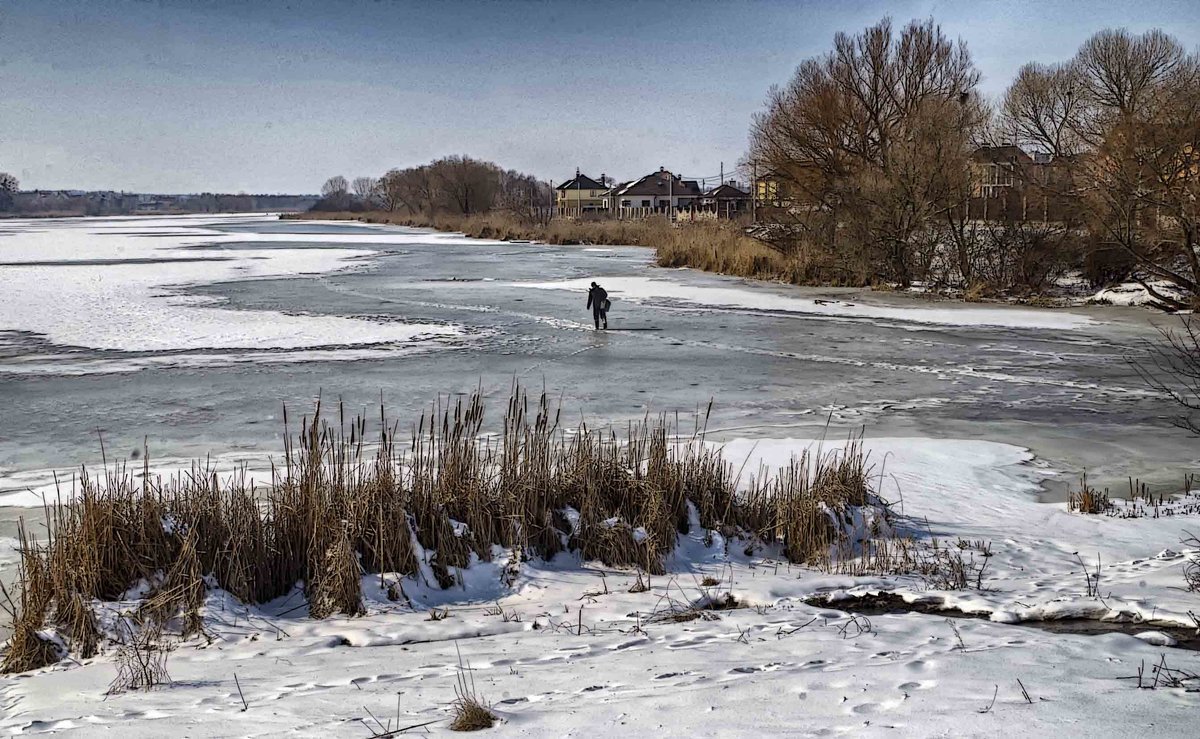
pixel 264 96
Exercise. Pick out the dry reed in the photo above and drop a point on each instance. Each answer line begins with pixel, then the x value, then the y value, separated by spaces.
pixel 340 508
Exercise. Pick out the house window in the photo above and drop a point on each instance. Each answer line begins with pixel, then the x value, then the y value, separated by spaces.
pixel 645 203
pixel 999 175
pixel 626 203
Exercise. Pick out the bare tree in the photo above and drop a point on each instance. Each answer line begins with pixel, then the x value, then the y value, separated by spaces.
pixel 461 185
pixel 335 186
pixel 870 137
pixel 1042 109
pixel 1124 115
pixel 365 189
pixel 466 185
pixel 9 186
pixel 524 197
pixel 411 189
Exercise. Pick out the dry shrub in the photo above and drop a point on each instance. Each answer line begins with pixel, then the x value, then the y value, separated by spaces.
pixel 76 622
pixel 958 567
pixel 141 660
pixel 978 291
pixel 1191 568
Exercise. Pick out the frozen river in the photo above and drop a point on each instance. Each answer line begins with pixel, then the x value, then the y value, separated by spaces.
pixel 194 332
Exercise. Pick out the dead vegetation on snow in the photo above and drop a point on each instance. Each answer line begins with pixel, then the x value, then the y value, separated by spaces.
pixel 341 507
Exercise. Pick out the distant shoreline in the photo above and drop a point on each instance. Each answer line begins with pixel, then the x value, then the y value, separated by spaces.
pixel 712 246
pixel 509 228
pixel 146 214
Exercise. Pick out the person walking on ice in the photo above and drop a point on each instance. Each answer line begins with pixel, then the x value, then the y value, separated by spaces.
pixel 598 302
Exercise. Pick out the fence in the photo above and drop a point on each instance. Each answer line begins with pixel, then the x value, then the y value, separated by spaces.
pixel 690 213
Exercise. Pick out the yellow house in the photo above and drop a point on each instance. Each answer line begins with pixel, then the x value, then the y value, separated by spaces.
pixel 580 195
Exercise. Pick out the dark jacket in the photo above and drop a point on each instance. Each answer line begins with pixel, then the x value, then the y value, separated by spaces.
pixel 596 297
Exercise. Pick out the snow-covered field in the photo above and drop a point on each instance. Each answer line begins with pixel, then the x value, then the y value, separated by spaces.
pixel 567 650
pixel 110 285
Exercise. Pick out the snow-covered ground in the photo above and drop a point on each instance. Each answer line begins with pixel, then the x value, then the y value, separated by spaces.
pixel 569 651
pixel 113 285
pixel 1134 293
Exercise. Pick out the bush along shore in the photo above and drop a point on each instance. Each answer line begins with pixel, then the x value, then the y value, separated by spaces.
pixel 722 247
pixel 342 508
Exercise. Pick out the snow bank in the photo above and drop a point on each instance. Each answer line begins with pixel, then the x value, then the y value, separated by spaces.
pixel 763 298
pixel 1133 293
pixel 987 491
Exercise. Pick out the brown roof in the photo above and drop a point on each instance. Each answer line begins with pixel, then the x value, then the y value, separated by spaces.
pixel 728 192
pixel 660 183
pixel 1001 155
pixel 582 182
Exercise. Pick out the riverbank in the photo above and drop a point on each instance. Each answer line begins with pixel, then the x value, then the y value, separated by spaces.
pixel 979 631
pixel 720 247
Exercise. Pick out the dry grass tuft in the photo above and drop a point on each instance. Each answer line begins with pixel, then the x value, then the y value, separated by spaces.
pixel 1088 500
pixel 29 648
pixel 471 713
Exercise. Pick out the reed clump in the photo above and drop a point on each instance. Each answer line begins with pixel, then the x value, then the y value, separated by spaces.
pixel 1088 499
pixel 342 507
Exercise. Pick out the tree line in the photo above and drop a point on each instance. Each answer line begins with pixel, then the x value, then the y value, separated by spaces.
pixel 457 185
pixel 880 145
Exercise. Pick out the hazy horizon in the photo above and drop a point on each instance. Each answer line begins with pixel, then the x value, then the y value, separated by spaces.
pixel 268 97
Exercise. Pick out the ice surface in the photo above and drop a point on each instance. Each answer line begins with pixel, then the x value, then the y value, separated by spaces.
pixel 130 303
pixel 762 298
pixel 35 488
